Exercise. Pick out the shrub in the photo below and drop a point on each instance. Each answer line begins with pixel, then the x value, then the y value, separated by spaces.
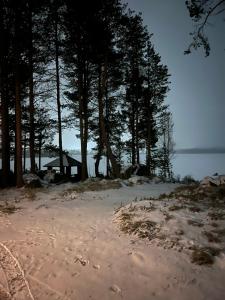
pixel 188 179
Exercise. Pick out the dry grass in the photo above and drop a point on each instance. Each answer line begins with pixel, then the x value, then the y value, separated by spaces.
pixel 219 232
pixel 205 255
pixel 206 202
pixel 212 238
pixel 149 208
pixel 99 185
pixel 217 215
pixel 214 224
pixel 163 196
pixel 167 216
pixel 195 223
pixel 195 209
pixel 141 228
pixel 8 208
pixel 30 194
pixel 200 199
pixel 176 207
pixel 186 188
pixel 126 217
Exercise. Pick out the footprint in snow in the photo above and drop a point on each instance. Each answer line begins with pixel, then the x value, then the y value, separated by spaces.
pixel 138 258
pixel 115 289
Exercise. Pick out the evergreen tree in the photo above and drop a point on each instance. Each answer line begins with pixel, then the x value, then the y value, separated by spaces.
pixel 155 91
pixel 135 39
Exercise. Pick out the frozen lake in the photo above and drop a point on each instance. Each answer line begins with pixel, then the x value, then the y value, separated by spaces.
pixel 199 165
pixel 196 165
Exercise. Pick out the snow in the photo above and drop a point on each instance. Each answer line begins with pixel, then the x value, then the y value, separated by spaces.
pixel 213 180
pixel 69 246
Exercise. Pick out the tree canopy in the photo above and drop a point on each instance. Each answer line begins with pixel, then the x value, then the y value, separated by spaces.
pixel 202 13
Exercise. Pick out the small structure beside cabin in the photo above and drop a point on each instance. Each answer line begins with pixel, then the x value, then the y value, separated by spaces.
pixel 68 163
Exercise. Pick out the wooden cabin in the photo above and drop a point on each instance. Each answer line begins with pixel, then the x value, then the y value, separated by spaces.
pixel 68 163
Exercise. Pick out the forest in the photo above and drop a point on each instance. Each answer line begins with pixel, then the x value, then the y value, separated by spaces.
pixel 88 66
pixel 82 85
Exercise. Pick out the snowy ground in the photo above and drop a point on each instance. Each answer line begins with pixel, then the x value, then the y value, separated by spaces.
pixel 61 244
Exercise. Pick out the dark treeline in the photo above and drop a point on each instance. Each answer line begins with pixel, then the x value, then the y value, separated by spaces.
pixel 96 60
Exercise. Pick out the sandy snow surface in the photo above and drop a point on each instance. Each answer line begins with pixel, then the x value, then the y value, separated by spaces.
pixel 67 245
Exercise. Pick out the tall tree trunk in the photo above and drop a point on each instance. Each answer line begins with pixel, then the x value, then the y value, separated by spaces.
pixel 5 144
pixel 39 153
pixel 31 94
pixel 107 128
pixel 24 152
pixel 148 140
pixel 136 105
pixel 97 162
pixel 19 172
pixel 148 150
pixel 32 135
pixel 83 169
pixel 137 138
pixel 131 146
pixel 58 95
pixel 83 135
pixel 85 121
pixel 149 127
pixel 133 152
pixel 105 142
pixel 14 154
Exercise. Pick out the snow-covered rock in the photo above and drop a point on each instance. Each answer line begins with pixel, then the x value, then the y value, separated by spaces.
pixel 222 179
pixel 31 180
pixel 49 177
pixel 212 181
pixel 138 179
pixel 73 196
pixel 156 180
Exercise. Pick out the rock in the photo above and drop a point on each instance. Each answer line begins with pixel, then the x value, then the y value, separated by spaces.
pixel 222 179
pixel 138 169
pixel 210 181
pixel 141 170
pixel 179 232
pixel 213 181
pixel 156 180
pixel 72 196
pixel 103 181
pixel 114 288
pixel 31 180
pixel 138 179
pixel 127 172
pixel 49 177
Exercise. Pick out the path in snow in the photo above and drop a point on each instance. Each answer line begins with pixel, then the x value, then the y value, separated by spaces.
pixel 69 248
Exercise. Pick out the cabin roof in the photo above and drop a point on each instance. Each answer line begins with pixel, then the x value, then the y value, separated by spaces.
pixel 68 161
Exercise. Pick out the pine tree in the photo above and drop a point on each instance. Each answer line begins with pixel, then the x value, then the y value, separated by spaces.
pixel 135 39
pixel 155 90
pixel 4 107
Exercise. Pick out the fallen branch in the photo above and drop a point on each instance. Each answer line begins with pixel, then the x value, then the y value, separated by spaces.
pixel 19 267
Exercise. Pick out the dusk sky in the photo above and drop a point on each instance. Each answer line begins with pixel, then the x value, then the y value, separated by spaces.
pixel 197 95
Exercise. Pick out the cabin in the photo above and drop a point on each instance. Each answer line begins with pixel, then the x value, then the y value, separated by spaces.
pixel 68 163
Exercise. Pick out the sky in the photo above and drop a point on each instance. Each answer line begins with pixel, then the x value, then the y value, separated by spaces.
pixel 197 89
pixel 197 95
